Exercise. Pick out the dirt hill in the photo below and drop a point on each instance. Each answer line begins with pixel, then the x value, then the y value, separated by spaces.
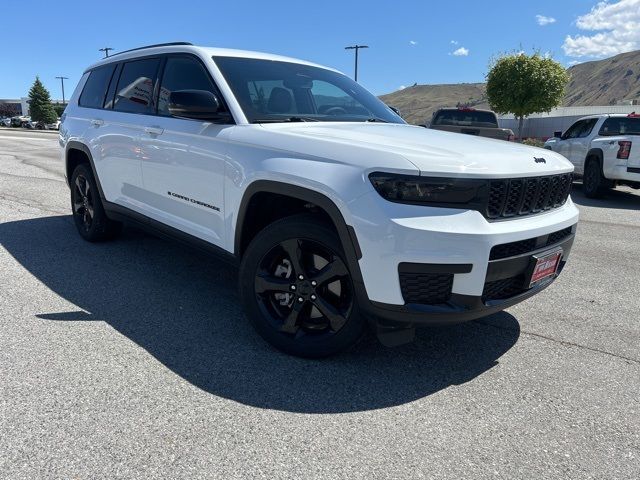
pixel 601 82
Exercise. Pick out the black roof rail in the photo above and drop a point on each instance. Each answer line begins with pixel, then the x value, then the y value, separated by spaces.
pixel 170 44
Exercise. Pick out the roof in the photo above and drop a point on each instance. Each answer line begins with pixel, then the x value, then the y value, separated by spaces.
pixel 198 50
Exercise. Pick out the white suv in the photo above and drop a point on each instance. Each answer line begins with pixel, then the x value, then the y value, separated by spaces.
pixel 338 213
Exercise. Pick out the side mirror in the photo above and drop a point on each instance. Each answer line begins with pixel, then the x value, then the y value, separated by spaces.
pixel 557 134
pixel 196 104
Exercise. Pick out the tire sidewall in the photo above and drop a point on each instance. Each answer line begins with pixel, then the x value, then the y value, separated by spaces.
pixel 304 227
pixel 592 188
pixel 99 224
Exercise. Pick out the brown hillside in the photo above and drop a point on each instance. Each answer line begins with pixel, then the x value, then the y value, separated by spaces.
pixel 601 82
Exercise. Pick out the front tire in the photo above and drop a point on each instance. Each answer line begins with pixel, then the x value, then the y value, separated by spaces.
pixel 297 290
pixel 88 212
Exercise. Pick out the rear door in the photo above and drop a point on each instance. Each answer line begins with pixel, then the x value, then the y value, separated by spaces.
pixel 184 160
pixel 116 129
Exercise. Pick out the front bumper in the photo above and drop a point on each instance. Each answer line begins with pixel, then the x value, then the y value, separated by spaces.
pixel 393 235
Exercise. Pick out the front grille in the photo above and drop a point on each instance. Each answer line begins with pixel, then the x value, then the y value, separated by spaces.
pixel 426 288
pixel 502 289
pixel 520 247
pixel 524 196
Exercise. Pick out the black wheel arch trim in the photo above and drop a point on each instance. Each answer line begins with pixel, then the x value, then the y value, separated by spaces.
pixel 346 233
pixel 75 145
pixel 597 153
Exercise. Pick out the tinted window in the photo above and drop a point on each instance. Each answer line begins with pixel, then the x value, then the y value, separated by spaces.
pixel 465 117
pixel 96 87
pixel 573 130
pixel 134 92
pixel 182 73
pixel 274 91
pixel 620 126
pixel 586 128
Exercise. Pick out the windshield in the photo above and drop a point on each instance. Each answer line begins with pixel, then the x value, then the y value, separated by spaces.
pixel 464 117
pixel 274 91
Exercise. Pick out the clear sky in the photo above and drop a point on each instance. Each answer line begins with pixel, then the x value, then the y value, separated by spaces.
pixel 410 41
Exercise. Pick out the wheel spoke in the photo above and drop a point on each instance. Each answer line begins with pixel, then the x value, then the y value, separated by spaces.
pixel 90 210
pixel 77 206
pixel 79 185
pixel 294 252
pixel 332 270
pixel 86 187
pixel 335 318
pixel 267 283
pixel 290 323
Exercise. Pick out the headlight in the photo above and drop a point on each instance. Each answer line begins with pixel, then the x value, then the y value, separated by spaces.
pixel 434 191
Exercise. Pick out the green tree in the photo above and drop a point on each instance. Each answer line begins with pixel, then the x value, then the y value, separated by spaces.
pixel 524 84
pixel 40 106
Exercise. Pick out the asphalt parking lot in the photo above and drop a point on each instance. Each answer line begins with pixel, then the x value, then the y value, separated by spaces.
pixel 132 359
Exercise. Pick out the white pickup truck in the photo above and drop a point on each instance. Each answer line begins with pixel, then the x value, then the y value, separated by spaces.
pixel 601 149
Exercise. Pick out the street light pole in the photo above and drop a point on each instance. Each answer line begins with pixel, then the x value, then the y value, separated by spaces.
pixel 62 79
pixel 106 51
pixel 356 48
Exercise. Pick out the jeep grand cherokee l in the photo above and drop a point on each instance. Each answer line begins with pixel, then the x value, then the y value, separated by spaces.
pixel 338 213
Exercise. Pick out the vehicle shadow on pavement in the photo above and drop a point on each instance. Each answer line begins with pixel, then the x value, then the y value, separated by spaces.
pixel 614 198
pixel 182 307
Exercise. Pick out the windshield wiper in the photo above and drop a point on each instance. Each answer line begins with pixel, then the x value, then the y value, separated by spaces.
pixel 376 119
pixel 285 120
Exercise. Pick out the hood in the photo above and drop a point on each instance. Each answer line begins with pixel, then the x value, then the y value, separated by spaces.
pixel 433 152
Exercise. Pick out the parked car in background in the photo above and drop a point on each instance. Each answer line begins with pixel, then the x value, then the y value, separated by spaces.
pixel 602 152
pixel 5 122
pixel 53 126
pixel 19 121
pixel 471 121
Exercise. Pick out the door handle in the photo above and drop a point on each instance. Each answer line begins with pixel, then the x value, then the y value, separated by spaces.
pixel 154 130
pixel 97 122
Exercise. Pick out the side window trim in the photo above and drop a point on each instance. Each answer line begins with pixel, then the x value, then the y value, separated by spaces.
pixel 111 90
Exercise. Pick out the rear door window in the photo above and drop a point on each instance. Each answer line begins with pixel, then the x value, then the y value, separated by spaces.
pixel 136 85
pixel 95 89
pixel 620 126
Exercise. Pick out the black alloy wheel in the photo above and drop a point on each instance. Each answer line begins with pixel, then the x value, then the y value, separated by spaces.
pixel 304 289
pixel 83 196
pixel 86 205
pixel 297 289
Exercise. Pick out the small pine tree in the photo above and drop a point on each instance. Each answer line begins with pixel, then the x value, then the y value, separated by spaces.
pixel 40 106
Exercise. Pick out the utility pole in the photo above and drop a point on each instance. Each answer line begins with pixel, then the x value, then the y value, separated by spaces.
pixel 62 79
pixel 106 51
pixel 356 48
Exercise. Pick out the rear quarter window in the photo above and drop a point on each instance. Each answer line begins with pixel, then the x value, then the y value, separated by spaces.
pixel 95 88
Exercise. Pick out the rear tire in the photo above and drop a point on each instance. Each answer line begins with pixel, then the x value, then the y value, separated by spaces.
pixel 297 290
pixel 593 182
pixel 88 212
